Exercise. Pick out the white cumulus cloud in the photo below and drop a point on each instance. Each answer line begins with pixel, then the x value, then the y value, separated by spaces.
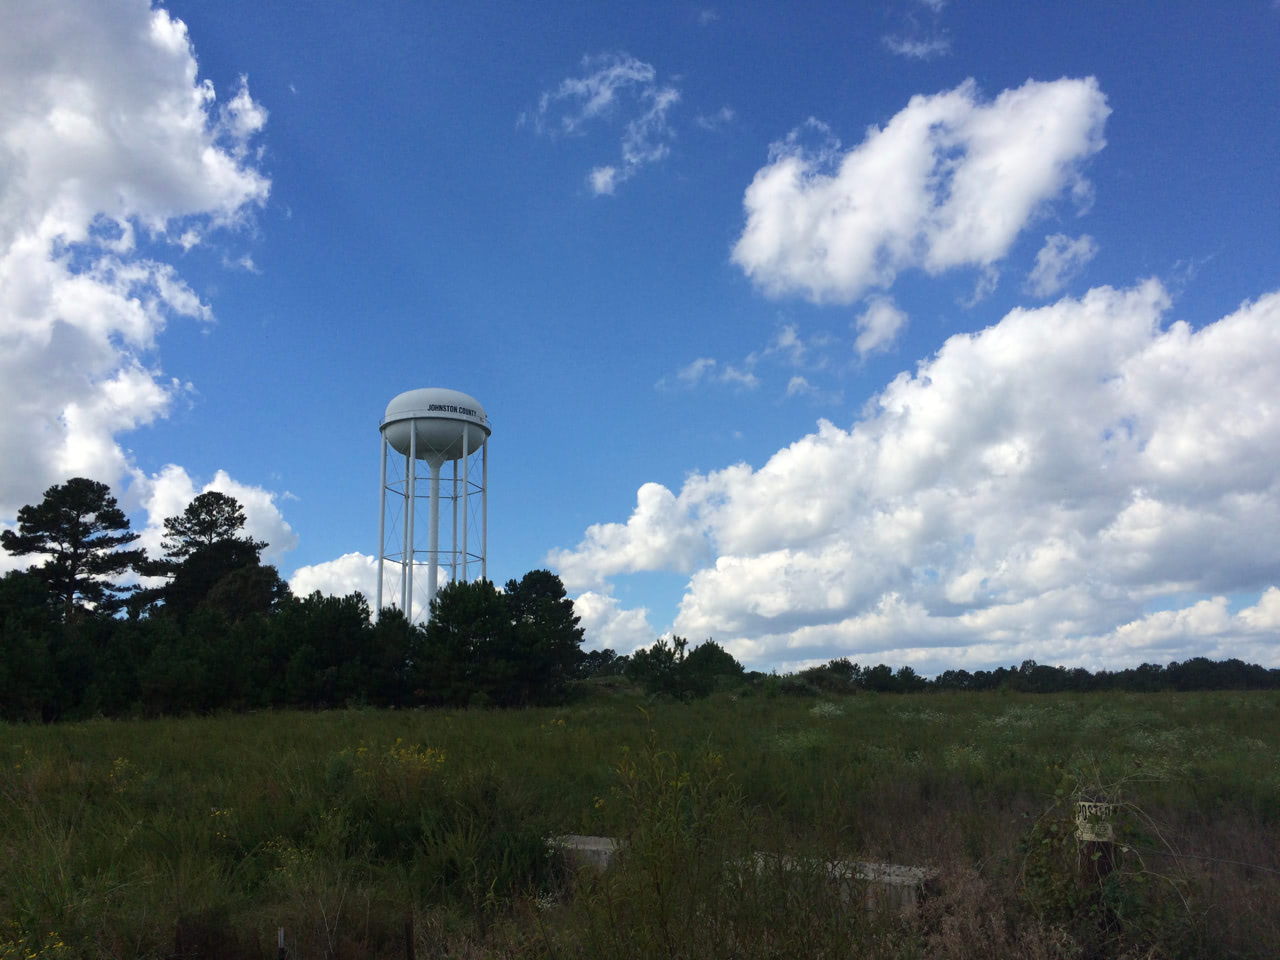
pixel 349 573
pixel 950 181
pixel 168 492
pixel 659 535
pixel 105 132
pixel 358 573
pixel 1031 491
pixel 605 623
pixel 1207 627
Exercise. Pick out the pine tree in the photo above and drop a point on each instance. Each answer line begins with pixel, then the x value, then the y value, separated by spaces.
pixel 210 518
pixel 81 529
pixel 209 563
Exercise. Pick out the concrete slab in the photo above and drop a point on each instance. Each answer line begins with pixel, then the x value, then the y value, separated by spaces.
pixel 592 853
pixel 884 887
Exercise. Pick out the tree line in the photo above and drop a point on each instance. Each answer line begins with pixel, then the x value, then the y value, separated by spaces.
pixel 96 627
pixel 665 668
pixel 1197 673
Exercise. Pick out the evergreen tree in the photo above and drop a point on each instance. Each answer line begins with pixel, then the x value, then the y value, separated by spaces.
pixel 516 648
pixel 28 623
pixel 546 639
pixel 210 518
pixel 211 565
pixel 658 668
pixel 82 530
pixel 602 663
pixel 708 666
pixel 666 668
pixel 467 637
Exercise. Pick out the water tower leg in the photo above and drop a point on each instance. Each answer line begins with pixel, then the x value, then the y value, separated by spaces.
pixel 410 511
pixel 466 494
pixel 382 524
pixel 484 513
pixel 434 545
pixel 453 548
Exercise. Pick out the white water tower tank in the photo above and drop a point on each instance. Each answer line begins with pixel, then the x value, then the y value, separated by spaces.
pixel 433 426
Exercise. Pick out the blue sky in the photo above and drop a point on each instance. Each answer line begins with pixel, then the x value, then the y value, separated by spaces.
pixel 927 332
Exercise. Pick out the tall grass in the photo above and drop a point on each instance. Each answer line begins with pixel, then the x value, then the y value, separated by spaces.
pixel 153 838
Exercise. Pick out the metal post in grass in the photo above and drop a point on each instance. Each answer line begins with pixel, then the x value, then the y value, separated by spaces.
pixel 280 951
pixel 409 949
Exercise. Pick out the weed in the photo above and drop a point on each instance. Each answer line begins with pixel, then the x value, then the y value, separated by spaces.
pixel 339 825
pixel 1084 871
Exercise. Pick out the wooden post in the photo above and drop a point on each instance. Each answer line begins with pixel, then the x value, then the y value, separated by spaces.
pixel 1095 832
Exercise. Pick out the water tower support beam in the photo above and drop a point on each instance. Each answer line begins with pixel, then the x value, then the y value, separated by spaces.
pixel 453 501
pixel 484 512
pixel 382 523
pixel 434 543
pixel 466 494
pixel 411 505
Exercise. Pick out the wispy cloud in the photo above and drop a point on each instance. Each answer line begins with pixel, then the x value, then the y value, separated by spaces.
pixel 787 349
pixel 613 88
pixel 920 35
pixel 808 351
pixel 878 327
pixel 1058 262
pixel 710 370
pixel 799 387
pixel 716 121
pixel 918 48
pixel 578 100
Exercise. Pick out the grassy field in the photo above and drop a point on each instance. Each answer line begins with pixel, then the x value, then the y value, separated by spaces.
pixel 355 829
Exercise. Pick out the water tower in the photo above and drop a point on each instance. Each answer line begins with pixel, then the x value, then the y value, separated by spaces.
pixel 435 427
